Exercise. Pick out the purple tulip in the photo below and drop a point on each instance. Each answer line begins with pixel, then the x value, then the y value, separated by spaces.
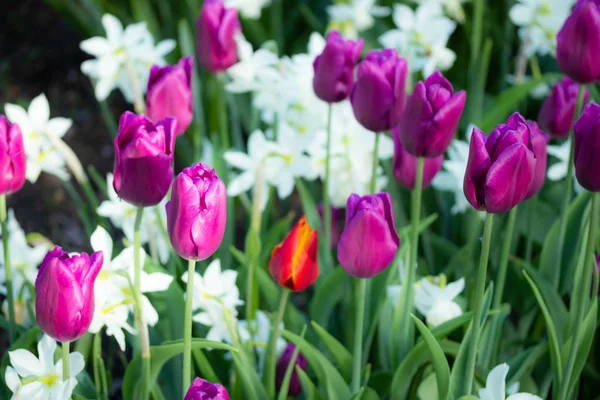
pixel 204 390
pixel 337 217
pixel 578 43
pixel 405 165
pixel 64 288
pixel 334 68
pixel 379 93
pixel 556 114
pixel 539 140
pixel 217 28
pixel 587 143
pixel 197 212
pixel 431 116
pixel 12 157
pixel 144 159
pixel 500 168
pixel 170 93
pixel 295 387
pixel 369 241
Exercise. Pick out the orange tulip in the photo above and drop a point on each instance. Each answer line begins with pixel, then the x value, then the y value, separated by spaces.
pixel 293 262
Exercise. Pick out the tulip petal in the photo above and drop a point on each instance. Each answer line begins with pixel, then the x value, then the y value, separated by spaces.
pixel 477 167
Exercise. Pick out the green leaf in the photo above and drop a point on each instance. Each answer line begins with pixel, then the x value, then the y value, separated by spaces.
pixel 440 364
pixel 308 387
pixel 341 355
pixel 327 296
pixel 524 361
pixel 285 383
pixel 250 379
pixel 308 204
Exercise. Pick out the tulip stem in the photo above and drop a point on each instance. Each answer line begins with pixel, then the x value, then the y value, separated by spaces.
pixel 531 206
pixel 187 326
pixel 8 268
pixel 65 357
pixel 358 335
pixel 478 305
pixel 562 225
pixel 270 361
pixel 373 186
pixel 139 315
pixel 512 217
pixel 585 279
pixel 326 204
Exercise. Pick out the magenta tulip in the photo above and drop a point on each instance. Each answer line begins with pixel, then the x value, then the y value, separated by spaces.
pixel 143 159
pixel 64 290
pixel 501 167
pixel 405 165
pixel 295 387
pixel 578 43
pixel 556 114
pixel 369 241
pixel 170 93
pixel 197 212
pixel 539 141
pixel 587 143
pixel 204 390
pixel 431 116
pixel 334 68
pixel 378 96
pixel 12 157
pixel 217 28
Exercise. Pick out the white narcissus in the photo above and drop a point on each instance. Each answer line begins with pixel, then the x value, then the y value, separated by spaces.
pixel 451 178
pixel 434 299
pixel 257 333
pixel 452 8
pixel 558 170
pixel 355 16
pixel 244 74
pixel 495 386
pixel 249 9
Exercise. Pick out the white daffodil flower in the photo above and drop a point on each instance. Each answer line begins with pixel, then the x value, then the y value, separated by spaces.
pixel 558 170
pixel 495 386
pixel 38 129
pixel 434 299
pixel 421 37
pixel 451 178
pixel 257 332
pixel 453 8
pixel 355 16
pixel 39 378
pixel 123 53
pixel 249 9
pixel 244 74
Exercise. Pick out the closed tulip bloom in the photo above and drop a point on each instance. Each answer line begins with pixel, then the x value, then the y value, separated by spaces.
pixel 378 96
pixel 170 93
pixel 431 116
pixel 197 212
pixel 204 390
pixel 501 167
pixel 12 157
pixel 334 68
pixel 405 165
pixel 587 143
pixel 293 263
pixel 369 241
pixel 143 159
pixel 64 304
pixel 539 141
pixel 295 387
pixel 578 43
pixel 217 28
pixel 556 114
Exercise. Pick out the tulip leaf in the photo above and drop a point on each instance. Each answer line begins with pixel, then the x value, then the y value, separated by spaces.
pixel 250 379
pixel 440 364
pixel 327 296
pixel 285 383
pixel 308 387
pixel 341 355
pixel 524 361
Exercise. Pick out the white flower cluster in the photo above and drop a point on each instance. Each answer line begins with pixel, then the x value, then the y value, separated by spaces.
pixel 250 9
pixel 296 146
pixel 355 16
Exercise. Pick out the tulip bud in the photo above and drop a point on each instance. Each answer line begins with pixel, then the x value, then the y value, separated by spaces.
pixel 379 93
pixel 539 140
pixel 587 143
pixel 556 114
pixel 170 93
pixel 500 168
pixel 64 287
pixel 578 43
pixel 369 241
pixel 295 387
pixel 334 68
pixel 405 165
pixel 431 116
pixel 197 212
pixel 204 390
pixel 293 263
pixel 217 28
pixel 12 157
pixel 143 159
pixel 337 217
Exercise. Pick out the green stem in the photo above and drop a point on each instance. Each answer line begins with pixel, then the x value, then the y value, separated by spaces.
pixel 253 242
pixel 326 204
pixel 270 363
pixel 142 328
pixel 8 268
pixel 223 115
pixel 512 217
pixel 531 206
pixel 478 305
pixel 65 357
pixel 373 185
pixel 562 225
pixel 585 277
pixel 187 327
pixel 358 335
